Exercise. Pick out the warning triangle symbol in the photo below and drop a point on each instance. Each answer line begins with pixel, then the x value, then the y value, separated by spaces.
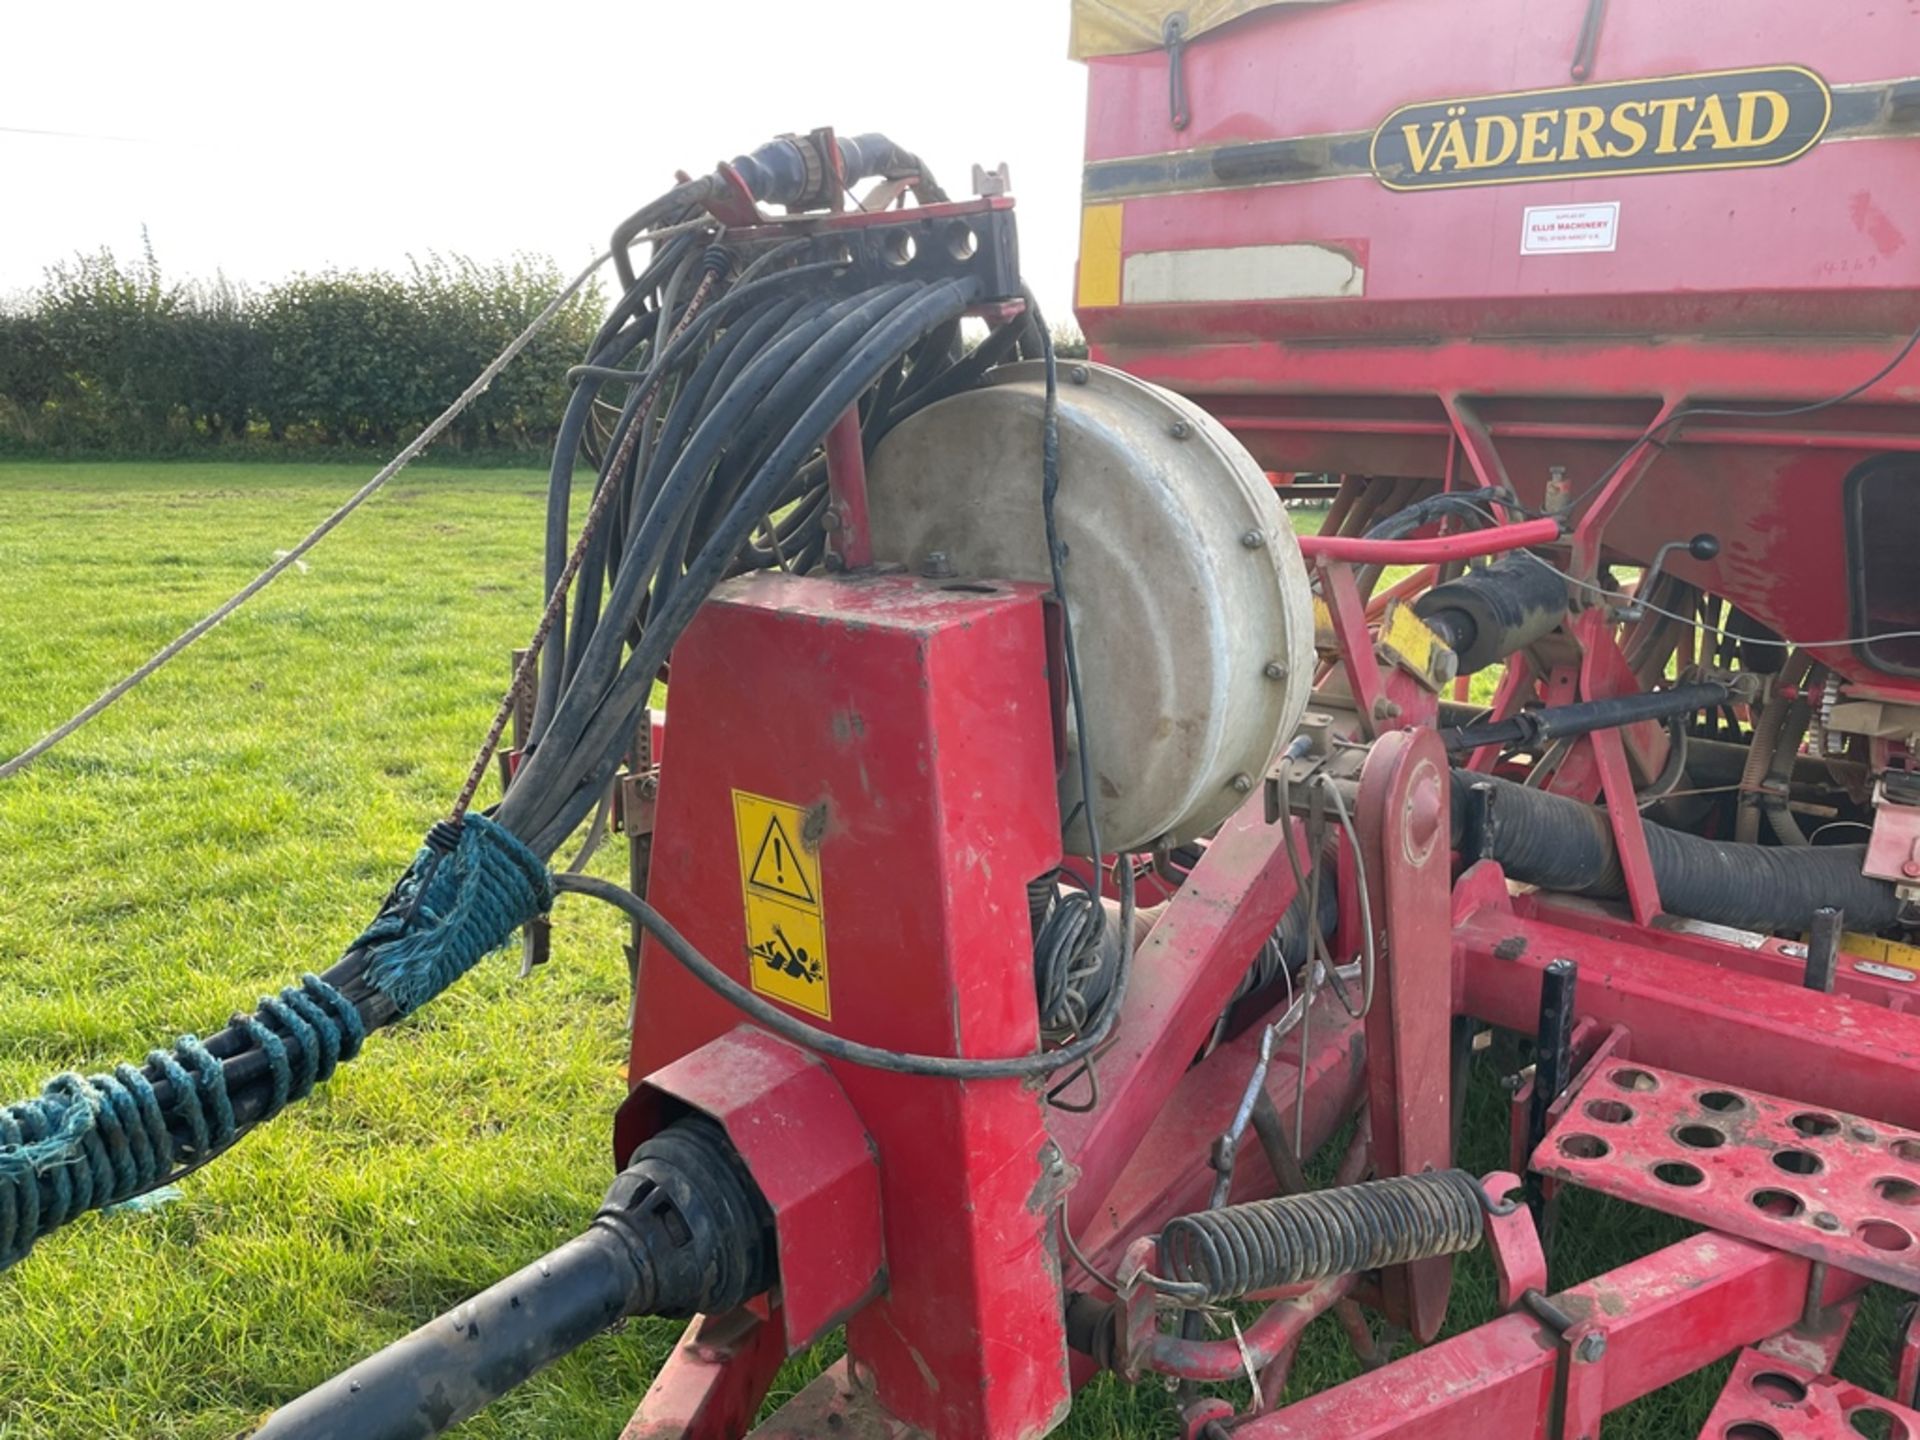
pixel 778 867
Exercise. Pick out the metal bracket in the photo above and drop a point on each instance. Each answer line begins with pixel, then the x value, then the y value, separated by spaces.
pixel 1519 1264
pixel 1589 42
pixel 1173 35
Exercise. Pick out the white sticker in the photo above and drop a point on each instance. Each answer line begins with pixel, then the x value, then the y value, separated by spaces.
pixel 1884 972
pixel 1555 229
pixel 1745 939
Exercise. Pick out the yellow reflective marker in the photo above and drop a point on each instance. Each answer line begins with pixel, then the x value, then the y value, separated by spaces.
pixel 1100 227
pixel 780 884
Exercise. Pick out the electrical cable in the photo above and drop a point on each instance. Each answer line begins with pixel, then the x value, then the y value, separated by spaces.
pixel 1056 564
pixel 1715 630
pixel 1693 412
pixel 788 1027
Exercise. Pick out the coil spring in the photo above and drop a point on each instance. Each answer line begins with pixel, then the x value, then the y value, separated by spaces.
pixel 1829 698
pixel 1323 1233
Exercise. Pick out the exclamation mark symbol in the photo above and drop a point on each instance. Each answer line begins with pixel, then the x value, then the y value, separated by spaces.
pixel 779 862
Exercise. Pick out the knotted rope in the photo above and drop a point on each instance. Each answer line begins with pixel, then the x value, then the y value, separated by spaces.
pixel 87 1142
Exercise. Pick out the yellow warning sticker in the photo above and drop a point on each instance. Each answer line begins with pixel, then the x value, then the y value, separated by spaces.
pixel 780 882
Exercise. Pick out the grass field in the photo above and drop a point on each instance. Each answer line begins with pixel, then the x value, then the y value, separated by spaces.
pixel 235 822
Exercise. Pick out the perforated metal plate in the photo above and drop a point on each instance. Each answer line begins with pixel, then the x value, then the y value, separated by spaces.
pixel 1769 1399
pixel 1812 1182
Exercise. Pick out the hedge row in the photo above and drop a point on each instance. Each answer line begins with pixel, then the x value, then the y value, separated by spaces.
pixel 110 355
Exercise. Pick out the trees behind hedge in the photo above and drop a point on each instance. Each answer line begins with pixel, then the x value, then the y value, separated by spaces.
pixel 110 355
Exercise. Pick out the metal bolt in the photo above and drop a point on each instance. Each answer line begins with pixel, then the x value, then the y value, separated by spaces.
pixel 835 563
pixel 937 565
pixel 1243 782
pixel 1275 670
pixel 1557 487
pixel 1826 1221
pixel 830 520
pixel 1591 1347
pixel 1180 430
pixel 1385 709
pixel 1253 540
pixel 1079 375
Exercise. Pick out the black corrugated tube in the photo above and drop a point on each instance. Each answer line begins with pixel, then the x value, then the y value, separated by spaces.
pixel 1560 844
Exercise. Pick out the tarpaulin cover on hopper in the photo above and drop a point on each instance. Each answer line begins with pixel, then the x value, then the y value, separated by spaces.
pixel 1119 27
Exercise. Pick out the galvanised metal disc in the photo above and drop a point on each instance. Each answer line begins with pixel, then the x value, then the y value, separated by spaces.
pixel 1186 591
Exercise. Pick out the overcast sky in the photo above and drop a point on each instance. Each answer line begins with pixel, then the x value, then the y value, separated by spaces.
pixel 260 139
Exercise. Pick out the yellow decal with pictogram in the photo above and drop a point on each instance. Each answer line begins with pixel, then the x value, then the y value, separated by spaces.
pixel 780 886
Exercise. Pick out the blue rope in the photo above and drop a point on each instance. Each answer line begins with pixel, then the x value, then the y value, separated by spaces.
pixel 85 1143
pixel 450 910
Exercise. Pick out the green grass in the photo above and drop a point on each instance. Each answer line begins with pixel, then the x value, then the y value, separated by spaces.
pixel 236 821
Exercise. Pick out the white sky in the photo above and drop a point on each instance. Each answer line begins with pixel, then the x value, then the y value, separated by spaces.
pixel 265 137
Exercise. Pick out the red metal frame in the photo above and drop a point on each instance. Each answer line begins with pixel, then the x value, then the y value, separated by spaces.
pixel 1402 821
pixel 1636 1329
pixel 851 531
pixel 1466 948
pixel 1184 973
pixel 713 1383
pixel 1719 1020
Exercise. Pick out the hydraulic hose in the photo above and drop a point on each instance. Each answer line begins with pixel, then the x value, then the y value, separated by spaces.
pixel 1559 722
pixel 1560 844
pixel 887 334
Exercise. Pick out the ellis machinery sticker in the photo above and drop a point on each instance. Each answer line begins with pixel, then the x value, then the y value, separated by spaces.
pixel 1722 120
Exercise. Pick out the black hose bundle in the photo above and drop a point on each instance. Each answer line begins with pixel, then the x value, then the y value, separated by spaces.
pixel 708 467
